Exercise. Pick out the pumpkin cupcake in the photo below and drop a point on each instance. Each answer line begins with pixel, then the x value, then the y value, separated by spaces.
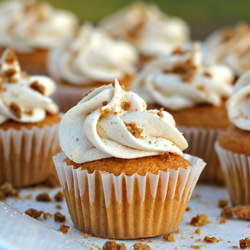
pixel 195 94
pixel 28 125
pixel 233 146
pixel 230 46
pixel 88 59
pixel 32 29
pixel 145 26
pixel 122 168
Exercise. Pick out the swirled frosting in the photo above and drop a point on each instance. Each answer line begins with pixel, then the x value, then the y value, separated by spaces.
pixel 181 80
pixel 91 55
pixel 27 25
pixel 112 122
pixel 146 27
pixel 23 98
pixel 231 46
pixel 238 105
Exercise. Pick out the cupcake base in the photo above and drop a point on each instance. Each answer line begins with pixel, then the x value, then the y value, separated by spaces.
pixel 127 207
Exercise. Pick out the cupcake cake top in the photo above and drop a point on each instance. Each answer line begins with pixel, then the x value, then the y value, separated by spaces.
pixel 113 122
pixel 145 26
pixel 27 25
pixel 238 105
pixel 23 98
pixel 182 80
pixel 231 46
pixel 90 55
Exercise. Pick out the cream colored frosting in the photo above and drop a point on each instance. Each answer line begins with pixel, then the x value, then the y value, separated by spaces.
pixel 23 98
pixel 238 105
pixel 181 80
pixel 27 25
pixel 146 27
pixel 112 122
pixel 231 46
pixel 91 55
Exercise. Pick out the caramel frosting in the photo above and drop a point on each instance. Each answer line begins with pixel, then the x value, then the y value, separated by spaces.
pixel 23 98
pixel 152 32
pixel 27 25
pixel 112 122
pixel 182 80
pixel 239 103
pixel 90 55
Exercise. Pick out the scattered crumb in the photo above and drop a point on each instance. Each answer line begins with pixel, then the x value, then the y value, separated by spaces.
pixel 234 247
pixel 133 129
pixel 43 197
pixel 209 239
pixel 46 215
pixel 197 231
pixel 58 196
pixel 245 243
pixel 64 228
pixel 196 246
pixel 141 246
pixel 169 237
pixel 58 217
pixel 197 241
pixel 85 236
pixel 7 190
pixel 112 245
pixel 242 212
pixel 28 197
pixel 58 206
pixel 222 203
pixel 33 213
pixel 222 221
pixel 226 212
pixel 159 113
pixel 199 220
pixel 126 106
pixel 188 209
pixel 178 231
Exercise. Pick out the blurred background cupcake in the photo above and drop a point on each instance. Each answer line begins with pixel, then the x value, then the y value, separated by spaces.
pixel 28 125
pixel 32 29
pixel 88 59
pixel 195 94
pixel 233 146
pixel 145 26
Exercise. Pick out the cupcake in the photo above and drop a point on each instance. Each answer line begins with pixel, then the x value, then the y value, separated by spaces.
pixel 28 125
pixel 32 29
pixel 233 146
pixel 151 31
pixel 231 46
pixel 88 59
pixel 122 168
pixel 195 94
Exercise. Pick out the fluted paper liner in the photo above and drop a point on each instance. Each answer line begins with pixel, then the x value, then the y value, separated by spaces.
pixel 127 207
pixel 236 169
pixel 26 155
pixel 201 143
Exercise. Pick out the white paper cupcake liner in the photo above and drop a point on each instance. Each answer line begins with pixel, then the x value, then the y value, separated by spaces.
pixel 123 206
pixel 201 144
pixel 236 169
pixel 26 155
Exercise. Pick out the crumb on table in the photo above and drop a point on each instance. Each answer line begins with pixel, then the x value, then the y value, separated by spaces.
pixel 43 197
pixel 59 196
pixel 58 217
pixel 33 213
pixel 211 239
pixel 222 221
pixel 245 243
pixel 197 231
pixel 222 203
pixel 64 228
pixel 141 246
pixel 7 190
pixel 242 212
pixel 169 237
pixel 226 212
pixel 196 246
pixel 113 245
pixel 199 220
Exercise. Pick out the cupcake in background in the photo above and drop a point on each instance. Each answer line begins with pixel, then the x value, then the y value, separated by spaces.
pixel 28 125
pixel 32 28
pixel 195 94
pixel 122 168
pixel 230 46
pixel 151 31
pixel 233 146
pixel 88 59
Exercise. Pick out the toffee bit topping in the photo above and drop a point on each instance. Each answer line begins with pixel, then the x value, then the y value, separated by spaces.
pixel 58 217
pixel 178 51
pixel 126 106
pixel 29 112
pixel 207 74
pixel 104 103
pixel 15 110
pixel 160 112
pixel 226 212
pixel 112 245
pixel 33 213
pixel 242 212
pixel 228 34
pixel 37 87
pixel 64 229
pixel 10 57
pixel 43 197
pixel 245 243
pixel 133 129
pixel 199 220
pixel 9 75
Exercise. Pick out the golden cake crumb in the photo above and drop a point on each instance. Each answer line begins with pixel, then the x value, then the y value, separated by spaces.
pixel 58 206
pixel 46 215
pixel 43 197
pixel 133 129
pixel 58 196
pixel 234 247
pixel 242 212
pixel 209 239
pixel 33 213
pixel 200 220
pixel 7 190
pixel 245 243
pixel 222 221
pixel 169 237
pixel 112 245
pixel 196 246
pixel 64 228
pixel 222 203
pixel 58 217
pixel 188 209
pixel 197 231
pixel 226 212
pixel 141 246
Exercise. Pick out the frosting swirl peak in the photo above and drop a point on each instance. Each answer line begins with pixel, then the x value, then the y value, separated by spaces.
pixel 112 122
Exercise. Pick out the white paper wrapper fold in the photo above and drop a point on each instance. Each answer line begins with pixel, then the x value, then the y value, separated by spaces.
pixel 127 206
pixel 236 169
